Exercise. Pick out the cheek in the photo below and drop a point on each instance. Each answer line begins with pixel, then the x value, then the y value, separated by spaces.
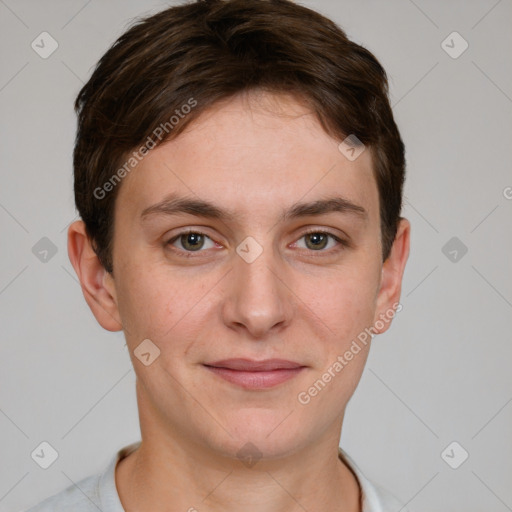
pixel 144 301
pixel 345 304
pixel 161 305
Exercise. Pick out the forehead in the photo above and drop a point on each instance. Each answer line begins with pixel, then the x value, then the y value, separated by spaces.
pixel 251 152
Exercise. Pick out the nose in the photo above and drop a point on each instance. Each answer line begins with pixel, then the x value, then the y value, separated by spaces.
pixel 258 300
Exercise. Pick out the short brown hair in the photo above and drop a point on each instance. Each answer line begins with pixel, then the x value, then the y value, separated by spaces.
pixel 211 50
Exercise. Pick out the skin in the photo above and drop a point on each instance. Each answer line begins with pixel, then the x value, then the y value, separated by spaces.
pixel 256 155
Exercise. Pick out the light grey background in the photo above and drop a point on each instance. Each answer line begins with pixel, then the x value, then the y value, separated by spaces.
pixel 442 372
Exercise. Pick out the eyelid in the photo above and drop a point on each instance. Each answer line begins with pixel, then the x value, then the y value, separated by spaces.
pixel 343 242
pixel 186 231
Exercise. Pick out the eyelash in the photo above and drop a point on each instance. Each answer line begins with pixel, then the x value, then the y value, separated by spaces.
pixel 191 254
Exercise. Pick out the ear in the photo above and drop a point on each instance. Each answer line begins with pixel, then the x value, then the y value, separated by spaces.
pixel 97 284
pixel 388 296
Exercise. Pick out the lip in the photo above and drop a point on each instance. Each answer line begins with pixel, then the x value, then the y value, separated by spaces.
pixel 251 374
pixel 251 365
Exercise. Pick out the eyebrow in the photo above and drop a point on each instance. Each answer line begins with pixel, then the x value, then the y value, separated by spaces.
pixel 174 205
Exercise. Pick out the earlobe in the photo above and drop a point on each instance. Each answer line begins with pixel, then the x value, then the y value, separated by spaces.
pixel 388 297
pixel 93 278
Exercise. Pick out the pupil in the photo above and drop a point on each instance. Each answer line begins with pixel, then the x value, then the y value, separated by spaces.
pixel 317 239
pixel 192 241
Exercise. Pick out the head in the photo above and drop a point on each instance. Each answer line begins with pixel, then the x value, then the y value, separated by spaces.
pixel 223 120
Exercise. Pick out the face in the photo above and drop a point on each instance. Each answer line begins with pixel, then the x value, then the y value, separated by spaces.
pixel 283 262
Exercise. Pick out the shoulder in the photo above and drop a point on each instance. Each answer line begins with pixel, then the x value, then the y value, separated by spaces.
pixel 380 499
pixel 93 493
pixel 80 497
pixel 374 497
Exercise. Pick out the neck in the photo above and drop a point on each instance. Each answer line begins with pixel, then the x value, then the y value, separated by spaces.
pixel 164 478
pixel 173 470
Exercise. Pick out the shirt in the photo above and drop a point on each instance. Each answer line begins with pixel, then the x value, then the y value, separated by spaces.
pixel 99 491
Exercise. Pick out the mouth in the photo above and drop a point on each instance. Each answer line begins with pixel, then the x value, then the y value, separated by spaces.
pixel 251 374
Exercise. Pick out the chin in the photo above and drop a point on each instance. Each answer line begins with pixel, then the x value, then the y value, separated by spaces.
pixel 259 433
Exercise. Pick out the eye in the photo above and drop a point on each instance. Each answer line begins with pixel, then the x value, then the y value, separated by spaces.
pixel 315 240
pixel 191 241
pixel 319 240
